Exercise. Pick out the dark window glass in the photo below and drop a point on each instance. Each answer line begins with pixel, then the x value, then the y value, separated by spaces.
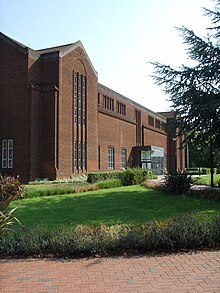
pixel 111 158
pixel 123 158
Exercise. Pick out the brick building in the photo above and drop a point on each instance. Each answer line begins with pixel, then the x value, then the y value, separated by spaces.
pixel 57 121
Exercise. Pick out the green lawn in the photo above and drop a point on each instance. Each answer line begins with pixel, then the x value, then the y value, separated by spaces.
pixel 131 204
pixel 206 180
pixel 37 187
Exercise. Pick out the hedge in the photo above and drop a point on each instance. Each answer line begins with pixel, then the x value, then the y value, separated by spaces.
pixel 189 231
pixel 128 176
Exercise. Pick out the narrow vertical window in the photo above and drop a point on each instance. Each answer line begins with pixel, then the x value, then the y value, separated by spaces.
pixel 75 96
pixel 83 100
pixel 80 100
pixel 157 123
pixel 151 120
pixel 80 155
pixel 79 108
pixel 75 155
pixel 7 153
pixel 108 103
pixel 121 108
pixel 98 99
pixel 10 153
pixel 111 159
pixel 99 158
pixel 112 105
pixel 123 158
pixel 4 154
pixel 84 155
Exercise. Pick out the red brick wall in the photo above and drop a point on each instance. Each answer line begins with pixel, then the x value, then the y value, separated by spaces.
pixel 36 98
pixel 44 73
pixel 153 138
pixel 15 105
pixel 76 61
pixel 116 133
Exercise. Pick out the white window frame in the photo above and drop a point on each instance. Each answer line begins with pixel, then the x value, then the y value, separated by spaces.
pixel 123 158
pixel 4 153
pixel 80 155
pixel 7 153
pixel 75 155
pixel 84 155
pixel 111 158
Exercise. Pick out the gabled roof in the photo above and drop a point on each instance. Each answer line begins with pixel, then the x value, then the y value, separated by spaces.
pixel 63 49
pixel 12 41
pixel 54 49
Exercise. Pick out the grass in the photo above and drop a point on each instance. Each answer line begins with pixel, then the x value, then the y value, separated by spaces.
pixel 123 205
pixel 52 189
pixel 37 187
pixel 206 180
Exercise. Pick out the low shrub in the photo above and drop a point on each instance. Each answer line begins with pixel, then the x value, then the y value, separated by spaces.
pixel 135 176
pixel 188 231
pixel 99 180
pixel 101 176
pixel 78 179
pixel 109 184
pixel 152 184
pixel 128 177
pixel 30 193
pixel 90 187
pixel 48 192
pixel 178 182
pixel 208 193
pixel 75 180
pixel 10 189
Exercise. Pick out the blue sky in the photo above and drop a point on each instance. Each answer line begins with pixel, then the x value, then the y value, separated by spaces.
pixel 120 36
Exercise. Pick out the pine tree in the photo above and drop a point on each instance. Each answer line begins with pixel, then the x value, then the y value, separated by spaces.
pixel 195 91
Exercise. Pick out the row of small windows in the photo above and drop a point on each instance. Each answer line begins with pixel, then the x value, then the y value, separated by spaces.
pixel 7 153
pixel 121 108
pixel 111 158
pixel 156 123
pixel 109 104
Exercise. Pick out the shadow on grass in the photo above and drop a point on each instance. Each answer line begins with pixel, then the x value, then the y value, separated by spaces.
pixel 132 204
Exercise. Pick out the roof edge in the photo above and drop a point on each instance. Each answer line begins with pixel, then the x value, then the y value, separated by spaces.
pixel 132 101
pixel 74 46
pixel 13 42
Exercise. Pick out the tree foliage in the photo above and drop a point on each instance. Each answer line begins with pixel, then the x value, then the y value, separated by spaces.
pixel 200 157
pixel 195 91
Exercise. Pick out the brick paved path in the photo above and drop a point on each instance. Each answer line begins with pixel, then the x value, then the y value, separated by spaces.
pixel 196 272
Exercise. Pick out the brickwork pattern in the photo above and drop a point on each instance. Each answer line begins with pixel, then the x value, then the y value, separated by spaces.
pixel 183 272
pixel 36 111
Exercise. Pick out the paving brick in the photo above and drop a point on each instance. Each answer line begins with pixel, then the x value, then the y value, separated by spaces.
pixel 137 274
